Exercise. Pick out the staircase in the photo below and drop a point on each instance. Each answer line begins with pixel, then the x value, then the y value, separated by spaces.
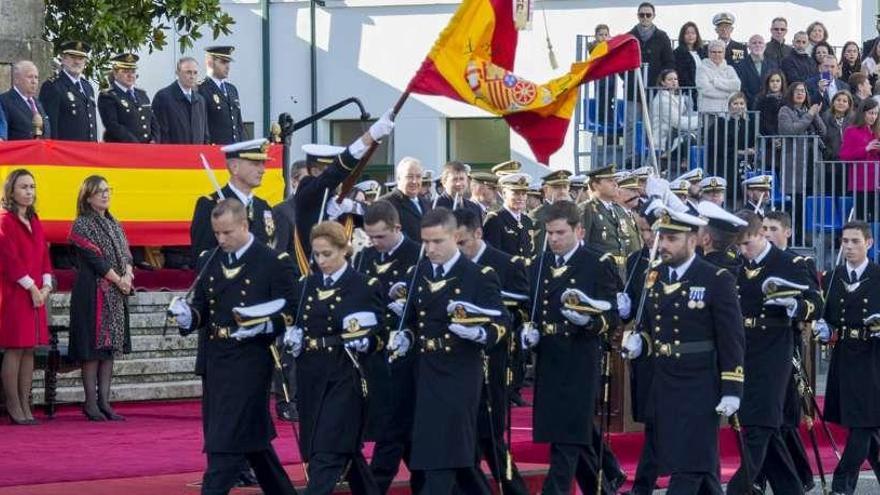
pixel 158 368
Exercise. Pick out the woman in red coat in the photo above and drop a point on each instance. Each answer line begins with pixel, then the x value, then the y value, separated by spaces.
pixel 24 289
pixel 860 142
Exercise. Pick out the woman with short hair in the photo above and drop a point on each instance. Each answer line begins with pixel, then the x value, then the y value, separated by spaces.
pixel 716 80
pixel 99 326
pixel 24 291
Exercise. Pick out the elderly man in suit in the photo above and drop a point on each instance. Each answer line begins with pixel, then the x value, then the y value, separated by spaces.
pixel 25 116
pixel 754 68
pixel 180 108
pixel 410 205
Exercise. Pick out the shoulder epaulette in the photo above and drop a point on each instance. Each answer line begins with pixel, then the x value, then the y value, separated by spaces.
pixel 720 271
pixel 798 259
pixel 606 257
pixel 486 269
pixel 373 281
pixel 490 215
pixel 516 258
pixel 283 256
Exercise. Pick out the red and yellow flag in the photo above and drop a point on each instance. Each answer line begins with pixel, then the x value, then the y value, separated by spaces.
pixel 155 186
pixel 472 61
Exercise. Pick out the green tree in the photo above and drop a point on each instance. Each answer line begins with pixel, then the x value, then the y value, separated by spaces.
pixel 116 26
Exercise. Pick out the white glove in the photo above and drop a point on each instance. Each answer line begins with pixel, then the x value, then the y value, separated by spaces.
pixel 728 406
pixel 476 334
pixel 632 346
pixel 383 126
pixel 624 305
pixel 822 331
pixel 529 336
pixel 348 205
pixel 396 307
pixel 358 345
pixel 181 312
pixel 399 342
pixel 576 318
pixel 293 339
pixel 248 332
pixel 789 303
pixel 872 320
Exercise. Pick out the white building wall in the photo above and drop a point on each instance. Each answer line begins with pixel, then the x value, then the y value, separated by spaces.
pixel 370 49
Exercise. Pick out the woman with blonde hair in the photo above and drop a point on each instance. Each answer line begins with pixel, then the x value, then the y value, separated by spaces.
pixel 99 330
pixel 24 291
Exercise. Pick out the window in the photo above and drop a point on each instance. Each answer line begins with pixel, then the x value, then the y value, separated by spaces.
pixel 479 142
pixel 343 132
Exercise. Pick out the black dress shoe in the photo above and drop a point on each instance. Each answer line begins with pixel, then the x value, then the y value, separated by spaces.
pixel 616 482
pixel 110 413
pixel 93 415
pixel 517 400
pixel 247 478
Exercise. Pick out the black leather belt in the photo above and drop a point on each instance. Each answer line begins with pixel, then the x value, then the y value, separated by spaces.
pixel 220 333
pixel 858 333
pixel 436 344
pixel 763 323
pixel 676 349
pixel 313 344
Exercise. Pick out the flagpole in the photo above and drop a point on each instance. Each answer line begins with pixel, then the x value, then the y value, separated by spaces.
pixel 646 120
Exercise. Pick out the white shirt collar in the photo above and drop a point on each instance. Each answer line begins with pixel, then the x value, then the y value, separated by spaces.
pixel 122 87
pixel 763 254
pixel 448 265
pixel 476 259
pixel 243 249
pixel 681 269
pixel 391 251
pixel 72 79
pixel 607 204
pixel 244 198
pixel 859 269
pixel 187 92
pixel 23 97
pixel 218 82
pixel 516 216
pixel 567 256
pixel 337 274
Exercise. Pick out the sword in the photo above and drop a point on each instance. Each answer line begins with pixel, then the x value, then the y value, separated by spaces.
pixel 276 357
pixel 808 418
pixel 745 458
pixel 808 391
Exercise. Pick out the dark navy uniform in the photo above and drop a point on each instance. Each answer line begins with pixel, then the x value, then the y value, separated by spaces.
pixel 260 220
pixel 181 120
pixel 392 385
pixel 331 396
pixel 20 117
pixel 71 108
pixel 236 374
pixel 694 335
pixel 727 259
pixel 450 373
pixel 127 117
pixel 515 294
pixel 224 112
pixel 567 372
pixel 768 367
pixel 410 216
pixel 852 396
pixel 503 231
pixel 447 201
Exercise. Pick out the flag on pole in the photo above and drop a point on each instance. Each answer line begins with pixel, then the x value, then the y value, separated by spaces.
pixel 472 61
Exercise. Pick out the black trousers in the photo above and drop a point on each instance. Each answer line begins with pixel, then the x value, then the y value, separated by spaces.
pixel 465 481
pixel 568 462
pixel 858 446
pixel 694 484
pixel 646 471
pixel 497 461
pixel 792 439
pixel 769 455
pixel 385 465
pixel 223 470
pixel 327 468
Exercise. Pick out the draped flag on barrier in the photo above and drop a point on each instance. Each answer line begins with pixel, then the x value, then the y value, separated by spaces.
pixel 155 186
pixel 472 61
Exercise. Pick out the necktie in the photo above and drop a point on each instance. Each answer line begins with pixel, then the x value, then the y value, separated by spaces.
pixel 223 88
pixel 381 257
pixel 853 277
pixel 33 105
pixel 673 276
pixel 415 202
pixel 560 260
pixel 438 272
pixel 189 97
pixel 231 258
pixel 80 86
pixel 132 95
pixel 328 281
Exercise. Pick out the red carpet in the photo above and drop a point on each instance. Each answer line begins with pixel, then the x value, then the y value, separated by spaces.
pixel 165 438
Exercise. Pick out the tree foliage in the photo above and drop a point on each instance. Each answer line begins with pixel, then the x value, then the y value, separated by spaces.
pixel 116 26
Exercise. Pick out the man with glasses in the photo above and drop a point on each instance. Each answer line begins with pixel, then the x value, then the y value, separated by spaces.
pixel 125 110
pixel 411 206
pixel 776 49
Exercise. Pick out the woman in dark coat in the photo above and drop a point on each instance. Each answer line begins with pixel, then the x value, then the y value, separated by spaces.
pixel 687 54
pixel 732 139
pixel 24 290
pixel 341 311
pixel 98 302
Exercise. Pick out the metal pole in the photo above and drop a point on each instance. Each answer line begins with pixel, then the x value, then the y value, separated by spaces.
pixel 267 65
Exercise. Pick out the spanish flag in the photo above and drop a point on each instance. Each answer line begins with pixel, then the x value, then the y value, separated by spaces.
pixel 472 61
pixel 155 186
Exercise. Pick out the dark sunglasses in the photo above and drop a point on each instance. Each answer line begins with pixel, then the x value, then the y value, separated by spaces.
pixel 645 15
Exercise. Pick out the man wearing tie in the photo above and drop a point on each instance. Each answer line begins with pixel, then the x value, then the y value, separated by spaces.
pixel 221 97
pixel 69 99
pixel 25 117
pixel 125 110
pixel 180 109
pixel 406 198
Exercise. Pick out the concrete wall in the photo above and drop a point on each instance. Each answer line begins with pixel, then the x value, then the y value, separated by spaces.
pixel 21 26
pixel 370 49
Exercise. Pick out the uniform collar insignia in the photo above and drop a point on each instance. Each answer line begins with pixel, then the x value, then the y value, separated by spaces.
pixel 670 288
pixel 324 294
pixel 752 273
pixel 383 267
pixel 853 286
pixel 231 273
pixel 438 285
pixel 557 272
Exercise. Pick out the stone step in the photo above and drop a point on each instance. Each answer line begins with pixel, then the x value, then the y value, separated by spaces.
pixel 153 370
pixel 141 302
pixel 152 342
pixel 130 392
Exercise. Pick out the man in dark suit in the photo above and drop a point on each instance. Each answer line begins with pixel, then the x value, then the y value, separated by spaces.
pixel 798 65
pixel 824 85
pixel 456 179
pixel 221 98
pixel 776 47
pixel 180 109
pixel 68 97
pixel 125 110
pixel 25 116
pixel 753 69
pixel 410 205
pixel 734 51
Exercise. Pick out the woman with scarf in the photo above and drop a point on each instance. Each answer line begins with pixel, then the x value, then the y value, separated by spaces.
pixel 98 302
